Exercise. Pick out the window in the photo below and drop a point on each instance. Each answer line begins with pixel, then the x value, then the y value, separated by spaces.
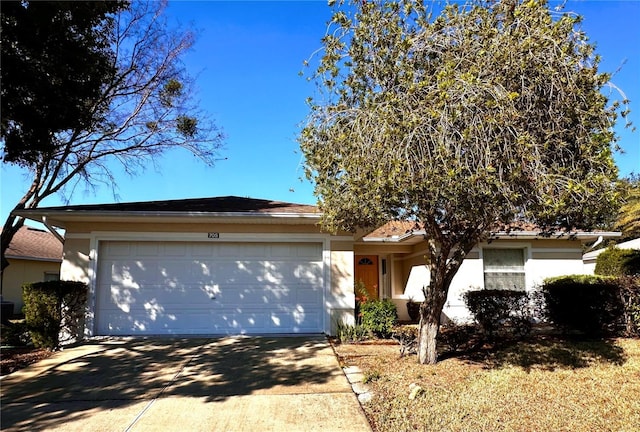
pixel 504 269
pixel 51 276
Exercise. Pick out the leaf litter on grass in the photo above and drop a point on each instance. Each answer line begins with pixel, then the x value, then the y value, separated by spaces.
pixel 567 385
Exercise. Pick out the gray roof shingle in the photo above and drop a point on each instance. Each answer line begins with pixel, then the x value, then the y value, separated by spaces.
pixel 226 204
pixel 33 243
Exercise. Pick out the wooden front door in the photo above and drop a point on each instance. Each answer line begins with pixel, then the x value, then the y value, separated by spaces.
pixel 366 271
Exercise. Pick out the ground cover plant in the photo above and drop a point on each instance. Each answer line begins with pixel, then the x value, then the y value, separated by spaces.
pixel 542 383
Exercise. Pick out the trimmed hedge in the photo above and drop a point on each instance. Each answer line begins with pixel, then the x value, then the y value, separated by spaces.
pixel 588 304
pixel 630 294
pixel 618 262
pixel 379 316
pixel 500 311
pixel 51 308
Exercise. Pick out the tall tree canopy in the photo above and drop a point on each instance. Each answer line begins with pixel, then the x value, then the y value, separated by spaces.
pixel 129 107
pixel 629 216
pixel 55 58
pixel 487 114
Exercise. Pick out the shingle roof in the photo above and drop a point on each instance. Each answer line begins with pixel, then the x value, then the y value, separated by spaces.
pixel 226 204
pixel 33 243
pixel 393 229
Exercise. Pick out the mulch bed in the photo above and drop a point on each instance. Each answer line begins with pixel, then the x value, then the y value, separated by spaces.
pixel 13 359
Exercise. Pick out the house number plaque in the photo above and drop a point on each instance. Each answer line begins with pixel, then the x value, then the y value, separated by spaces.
pixel 213 235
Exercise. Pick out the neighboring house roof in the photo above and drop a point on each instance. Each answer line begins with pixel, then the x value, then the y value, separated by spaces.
pixel 229 207
pixel 631 244
pixel 34 244
pixel 412 232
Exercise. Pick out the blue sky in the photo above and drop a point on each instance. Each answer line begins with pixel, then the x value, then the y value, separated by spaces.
pixel 246 61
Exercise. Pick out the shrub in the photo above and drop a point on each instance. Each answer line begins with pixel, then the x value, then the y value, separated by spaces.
pixel 457 337
pixel 14 334
pixel 630 295
pixel 618 262
pixel 407 338
pixel 379 316
pixel 52 308
pixel 500 310
pixel 362 296
pixel 589 304
pixel 347 333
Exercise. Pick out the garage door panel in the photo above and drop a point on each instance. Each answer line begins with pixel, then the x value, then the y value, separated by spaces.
pixel 133 272
pixel 209 288
pixel 158 323
pixel 311 251
pixel 118 249
pixel 308 296
pixel 288 271
pixel 146 249
pixel 175 249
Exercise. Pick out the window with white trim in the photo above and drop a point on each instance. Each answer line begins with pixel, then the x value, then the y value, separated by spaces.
pixel 504 269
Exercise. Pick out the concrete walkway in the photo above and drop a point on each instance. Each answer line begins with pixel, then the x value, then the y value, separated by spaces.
pixel 223 384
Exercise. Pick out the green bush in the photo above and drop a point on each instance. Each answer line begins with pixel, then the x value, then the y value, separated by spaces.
pixel 618 262
pixel 588 304
pixel 52 307
pixel 379 316
pixel 500 311
pixel 630 294
pixel 14 334
pixel 347 333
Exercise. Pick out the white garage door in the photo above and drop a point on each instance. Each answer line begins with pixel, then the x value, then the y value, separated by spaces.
pixel 158 288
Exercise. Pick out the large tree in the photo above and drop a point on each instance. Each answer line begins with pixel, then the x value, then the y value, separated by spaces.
pixel 144 104
pixel 629 216
pixel 55 58
pixel 466 121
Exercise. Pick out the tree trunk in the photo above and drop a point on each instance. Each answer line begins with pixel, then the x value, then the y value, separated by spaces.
pixel 442 267
pixel 430 311
pixel 427 349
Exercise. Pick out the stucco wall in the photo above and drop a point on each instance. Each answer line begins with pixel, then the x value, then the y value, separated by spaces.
pixel 342 298
pixel 75 260
pixel 543 258
pixel 21 272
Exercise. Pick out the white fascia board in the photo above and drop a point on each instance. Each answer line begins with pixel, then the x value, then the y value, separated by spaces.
pixel 58 218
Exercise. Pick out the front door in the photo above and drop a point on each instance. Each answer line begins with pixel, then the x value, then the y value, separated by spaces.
pixel 366 271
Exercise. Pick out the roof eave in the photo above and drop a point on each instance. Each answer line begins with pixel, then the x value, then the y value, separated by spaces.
pixel 504 235
pixel 33 258
pixel 559 235
pixel 414 235
pixel 60 218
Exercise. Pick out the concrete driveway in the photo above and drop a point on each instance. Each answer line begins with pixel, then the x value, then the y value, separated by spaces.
pixel 222 384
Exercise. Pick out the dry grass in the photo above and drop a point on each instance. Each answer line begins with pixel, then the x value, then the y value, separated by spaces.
pixel 545 384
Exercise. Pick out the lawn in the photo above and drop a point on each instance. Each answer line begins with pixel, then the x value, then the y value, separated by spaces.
pixel 542 384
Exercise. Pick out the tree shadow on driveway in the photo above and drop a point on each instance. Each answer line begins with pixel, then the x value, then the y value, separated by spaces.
pixel 125 374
